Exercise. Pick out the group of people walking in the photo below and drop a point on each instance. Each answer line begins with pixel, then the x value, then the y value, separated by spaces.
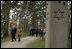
pixel 37 32
pixel 14 31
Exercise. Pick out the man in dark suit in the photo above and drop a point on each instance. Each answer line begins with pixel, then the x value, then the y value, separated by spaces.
pixel 13 33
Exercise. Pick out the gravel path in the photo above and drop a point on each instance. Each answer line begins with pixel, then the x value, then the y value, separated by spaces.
pixel 22 44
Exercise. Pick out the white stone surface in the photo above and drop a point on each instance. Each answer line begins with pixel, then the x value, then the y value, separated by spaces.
pixel 56 25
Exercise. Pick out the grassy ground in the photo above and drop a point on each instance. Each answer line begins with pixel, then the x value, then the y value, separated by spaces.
pixel 9 38
pixel 5 39
pixel 39 43
pixel 69 43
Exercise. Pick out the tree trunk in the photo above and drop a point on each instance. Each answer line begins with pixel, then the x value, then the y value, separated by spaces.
pixel 6 15
pixel 26 20
pixel 34 21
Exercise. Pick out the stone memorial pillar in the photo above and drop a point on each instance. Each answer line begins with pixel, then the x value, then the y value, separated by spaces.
pixel 57 24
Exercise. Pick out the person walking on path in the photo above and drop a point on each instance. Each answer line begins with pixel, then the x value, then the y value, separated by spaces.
pixel 13 33
pixel 19 33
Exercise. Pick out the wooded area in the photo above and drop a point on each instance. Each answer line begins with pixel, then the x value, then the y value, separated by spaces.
pixel 27 14
pixel 43 17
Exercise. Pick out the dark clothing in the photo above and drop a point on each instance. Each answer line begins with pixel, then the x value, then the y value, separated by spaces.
pixel 19 38
pixel 32 32
pixel 37 32
pixel 13 37
pixel 13 33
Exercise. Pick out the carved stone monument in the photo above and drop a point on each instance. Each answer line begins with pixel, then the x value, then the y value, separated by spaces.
pixel 57 24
